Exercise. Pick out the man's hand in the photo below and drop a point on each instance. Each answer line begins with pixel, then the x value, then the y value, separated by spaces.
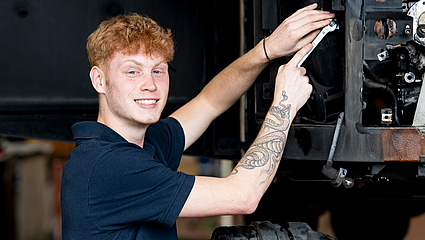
pixel 296 31
pixel 291 81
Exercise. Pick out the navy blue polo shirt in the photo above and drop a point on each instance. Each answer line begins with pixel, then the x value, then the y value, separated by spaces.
pixel 113 189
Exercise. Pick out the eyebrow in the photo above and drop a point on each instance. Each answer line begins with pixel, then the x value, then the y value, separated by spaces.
pixel 133 61
pixel 139 63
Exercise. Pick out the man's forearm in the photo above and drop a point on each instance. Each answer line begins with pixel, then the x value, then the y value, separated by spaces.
pixel 240 192
pixel 220 94
pixel 263 157
pixel 233 81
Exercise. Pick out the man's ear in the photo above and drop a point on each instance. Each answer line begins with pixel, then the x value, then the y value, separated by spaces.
pixel 98 79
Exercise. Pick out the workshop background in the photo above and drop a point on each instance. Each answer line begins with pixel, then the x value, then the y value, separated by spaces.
pixel 44 88
pixel 30 172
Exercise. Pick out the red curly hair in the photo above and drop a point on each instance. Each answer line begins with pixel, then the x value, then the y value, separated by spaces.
pixel 130 34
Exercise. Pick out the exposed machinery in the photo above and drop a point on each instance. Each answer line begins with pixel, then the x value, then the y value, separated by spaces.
pixel 362 127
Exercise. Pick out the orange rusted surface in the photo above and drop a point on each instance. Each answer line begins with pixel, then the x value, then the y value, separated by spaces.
pixel 403 144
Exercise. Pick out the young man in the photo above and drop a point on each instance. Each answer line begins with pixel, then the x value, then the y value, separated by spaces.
pixel 121 181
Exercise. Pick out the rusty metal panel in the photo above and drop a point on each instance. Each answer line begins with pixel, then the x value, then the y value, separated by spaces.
pixel 403 144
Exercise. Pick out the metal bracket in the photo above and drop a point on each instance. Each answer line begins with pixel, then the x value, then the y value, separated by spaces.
pixel 337 177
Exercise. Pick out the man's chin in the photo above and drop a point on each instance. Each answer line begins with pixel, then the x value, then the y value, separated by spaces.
pixel 147 121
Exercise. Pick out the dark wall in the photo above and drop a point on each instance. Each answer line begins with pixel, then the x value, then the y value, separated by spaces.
pixel 44 82
pixel 43 58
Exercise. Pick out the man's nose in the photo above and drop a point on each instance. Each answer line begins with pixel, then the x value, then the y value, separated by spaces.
pixel 148 83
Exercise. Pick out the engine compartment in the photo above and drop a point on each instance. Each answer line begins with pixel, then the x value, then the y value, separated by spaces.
pixel 392 33
pixel 371 69
pixel 393 76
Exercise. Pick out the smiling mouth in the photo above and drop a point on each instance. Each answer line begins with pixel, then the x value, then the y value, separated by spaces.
pixel 146 102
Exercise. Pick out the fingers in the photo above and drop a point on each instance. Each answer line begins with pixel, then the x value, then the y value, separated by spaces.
pixel 303 25
pixel 310 21
pixel 296 59
pixel 293 81
pixel 307 15
pixel 311 6
pixel 296 31
pixel 281 68
pixel 308 7
pixel 310 12
pixel 308 38
pixel 301 69
pixel 299 55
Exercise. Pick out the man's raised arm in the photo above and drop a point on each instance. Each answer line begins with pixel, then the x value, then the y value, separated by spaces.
pixel 241 192
pixel 231 83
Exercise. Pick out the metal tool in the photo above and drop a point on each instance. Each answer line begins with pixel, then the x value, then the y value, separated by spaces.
pixel 337 177
pixel 329 28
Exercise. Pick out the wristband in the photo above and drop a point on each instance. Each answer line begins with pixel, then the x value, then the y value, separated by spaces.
pixel 265 52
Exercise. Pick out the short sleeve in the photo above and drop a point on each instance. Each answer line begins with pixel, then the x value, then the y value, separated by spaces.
pixel 168 136
pixel 128 186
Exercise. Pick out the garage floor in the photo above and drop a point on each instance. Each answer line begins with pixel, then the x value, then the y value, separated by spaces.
pixel 201 228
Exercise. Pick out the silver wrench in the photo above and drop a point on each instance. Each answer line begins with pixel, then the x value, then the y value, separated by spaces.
pixel 329 28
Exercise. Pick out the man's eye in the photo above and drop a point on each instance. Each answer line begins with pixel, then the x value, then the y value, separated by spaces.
pixel 161 72
pixel 132 72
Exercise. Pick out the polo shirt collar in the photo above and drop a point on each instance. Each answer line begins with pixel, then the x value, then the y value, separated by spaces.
pixel 95 130
pixel 90 130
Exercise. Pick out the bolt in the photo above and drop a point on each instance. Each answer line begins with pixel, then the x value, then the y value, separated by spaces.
pixel 348 183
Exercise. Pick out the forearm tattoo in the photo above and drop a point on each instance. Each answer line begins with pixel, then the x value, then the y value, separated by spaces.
pixel 266 150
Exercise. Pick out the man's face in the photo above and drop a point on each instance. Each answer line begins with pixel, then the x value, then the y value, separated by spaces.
pixel 136 88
